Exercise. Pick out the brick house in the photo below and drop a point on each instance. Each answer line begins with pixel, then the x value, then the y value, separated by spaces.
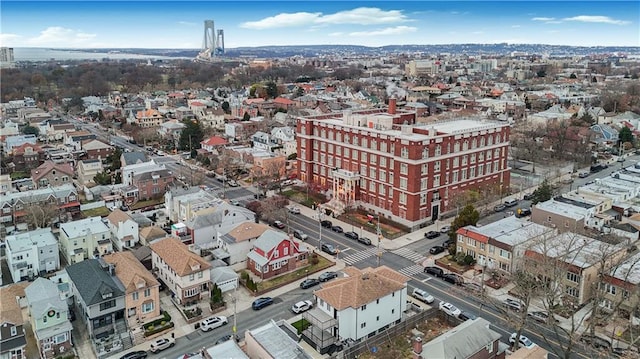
pixel 53 174
pixel 152 184
pixel 96 150
pixel 275 253
pixel 27 156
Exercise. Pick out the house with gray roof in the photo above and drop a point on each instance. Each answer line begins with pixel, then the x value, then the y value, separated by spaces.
pixel 270 341
pixel 99 299
pixel 85 238
pixel 31 254
pixel 211 223
pixel 132 158
pixel 470 339
pixel 49 317
pixel 274 253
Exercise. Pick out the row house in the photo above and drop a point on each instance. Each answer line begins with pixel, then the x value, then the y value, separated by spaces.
pixel 148 118
pixel 75 139
pixel 185 273
pixel 212 118
pixel 32 254
pixel 382 161
pixel 13 341
pixel 54 130
pixel 571 262
pixel 275 253
pixel 500 245
pixel 563 215
pixel 27 156
pixel 49 318
pixel 16 206
pixel 206 226
pixel 124 230
pixel 84 239
pixel 52 174
pixel 620 286
pixel 152 184
pixel 142 289
pixel 99 298
pixel 96 149
pixel 87 170
pixel 10 142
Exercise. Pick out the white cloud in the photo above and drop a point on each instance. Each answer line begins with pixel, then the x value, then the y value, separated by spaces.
pixel 597 19
pixel 398 30
pixel 56 35
pixel 9 39
pixel 543 18
pixel 358 16
pixel 336 34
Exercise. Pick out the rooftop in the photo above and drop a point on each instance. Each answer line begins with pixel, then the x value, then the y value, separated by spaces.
pixel 84 227
pixel 130 271
pixel 564 209
pixel 575 249
pixel 277 343
pixel 463 341
pixel 511 230
pixel 179 257
pixel 93 281
pixel 26 240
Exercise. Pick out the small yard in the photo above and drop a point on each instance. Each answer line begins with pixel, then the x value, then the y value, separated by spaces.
pixel 449 263
pixel 300 195
pixel 147 203
pixel 18 175
pixel 301 325
pixel 360 219
pixel 95 212
pixel 299 273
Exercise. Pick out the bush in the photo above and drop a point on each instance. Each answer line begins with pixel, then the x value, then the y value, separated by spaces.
pixel 157 330
pixel 468 260
pixel 161 322
pixel 314 259
pixel 244 276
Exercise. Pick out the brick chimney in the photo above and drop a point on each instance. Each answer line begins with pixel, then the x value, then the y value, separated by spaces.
pixel 417 347
pixel 392 106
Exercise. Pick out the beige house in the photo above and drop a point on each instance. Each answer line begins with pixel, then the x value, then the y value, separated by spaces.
pixel 142 289
pixel 87 170
pixel 151 233
pixel 621 288
pixel 185 273
pixel 52 174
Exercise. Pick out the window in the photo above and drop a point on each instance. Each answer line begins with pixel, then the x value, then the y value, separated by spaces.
pixel 436 166
pixel 192 277
pixel 14 331
pixel 456 162
pixel 424 183
pixel 362 325
pixel 573 292
pixel 436 180
pixel 60 338
pixel 403 183
pixel 377 318
pixel 191 292
pixel 135 295
pixel 147 292
pixel 404 152
pixel 403 198
pixel 573 277
pixel 423 198
pixel 438 150
pixel 108 304
pixel 489 347
pixel 404 168
pixel 505 254
pixel 425 153
pixel 147 307
pixel 364 307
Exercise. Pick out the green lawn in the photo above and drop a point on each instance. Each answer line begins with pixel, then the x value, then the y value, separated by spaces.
pixel 94 212
pixel 299 273
pixel 301 325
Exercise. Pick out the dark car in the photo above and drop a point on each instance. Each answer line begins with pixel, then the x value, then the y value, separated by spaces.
pixel 523 212
pixel 528 196
pixel 226 338
pixel 308 283
pixel 434 271
pixel 261 303
pixel 337 229
pixel 351 235
pixel 432 234
pixel 453 278
pixel 436 249
pixel 329 248
pixel 327 276
pixel 596 342
pixel 364 240
pixel 140 354
pixel 326 224
pixel 467 316
pixel 447 243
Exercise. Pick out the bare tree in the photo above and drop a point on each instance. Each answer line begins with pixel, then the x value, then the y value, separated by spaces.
pixel 40 215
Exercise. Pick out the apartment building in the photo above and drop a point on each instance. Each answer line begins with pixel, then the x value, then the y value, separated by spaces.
pixel 83 239
pixel 31 254
pixel 384 162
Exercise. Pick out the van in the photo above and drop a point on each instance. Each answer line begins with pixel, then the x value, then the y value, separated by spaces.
pixel 423 296
pixel 511 202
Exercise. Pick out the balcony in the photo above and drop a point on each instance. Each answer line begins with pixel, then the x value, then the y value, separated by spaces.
pixel 320 333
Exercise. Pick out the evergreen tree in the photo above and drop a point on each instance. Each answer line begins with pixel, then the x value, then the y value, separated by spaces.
pixel 543 193
pixel 191 136
pixel 468 216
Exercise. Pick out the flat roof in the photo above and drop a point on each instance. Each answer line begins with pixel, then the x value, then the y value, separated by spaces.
pixel 563 209
pixel 629 270
pixel 512 230
pixel 576 249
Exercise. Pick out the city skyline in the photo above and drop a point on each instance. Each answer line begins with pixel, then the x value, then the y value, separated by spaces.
pixel 179 25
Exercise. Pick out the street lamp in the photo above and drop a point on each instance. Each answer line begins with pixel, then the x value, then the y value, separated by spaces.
pixel 379 233
pixel 320 217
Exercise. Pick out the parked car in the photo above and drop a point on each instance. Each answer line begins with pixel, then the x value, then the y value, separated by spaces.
pixel 542 317
pixel 294 210
pixel 473 287
pixel 528 196
pixel 351 235
pixel 235 203
pixel 499 208
pixel 261 303
pixel 308 283
pixel 222 339
pixel 596 341
pixel 453 278
pixel 259 195
pixel 337 229
pixel 364 240
pixel 512 304
pixel 445 229
pixel 233 183
pixel 279 224
pixel 432 234
pixel 302 306
pixel 511 202
pixel 449 309
pixel 434 271
pixel 326 224
pixel 523 212
pixel 447 243
pixel 140 354
pixel 300 234
pixel 327 276
pixel 436 249
pixel 467 316
pixel 329 248
pixel 423 296
pixel 583 174
pixel 213 323
pixel 524 341
pixel 161 344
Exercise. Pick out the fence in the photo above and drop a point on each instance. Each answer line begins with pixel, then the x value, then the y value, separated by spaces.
pixel 386 336
pixel 92 205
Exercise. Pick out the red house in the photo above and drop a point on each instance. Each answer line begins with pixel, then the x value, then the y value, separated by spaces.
pixel 275 253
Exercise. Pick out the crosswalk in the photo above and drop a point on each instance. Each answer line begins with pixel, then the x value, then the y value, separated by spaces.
pixel 410 271
pixel 360 255
pixel 409 254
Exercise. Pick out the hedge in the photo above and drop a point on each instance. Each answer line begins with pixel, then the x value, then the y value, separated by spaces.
pixel 158 322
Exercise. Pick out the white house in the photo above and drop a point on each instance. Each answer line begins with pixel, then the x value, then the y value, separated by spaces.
pixel 185 273
pixel 83 239
pixel 87 170
pixel 235 241
pixel 124 230
pixel 363 302
pixel 208 226
pixel 31 254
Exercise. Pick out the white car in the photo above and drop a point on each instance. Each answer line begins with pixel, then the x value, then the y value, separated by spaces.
pixel 213 323
pixel 423 296
pixel 450 309
pixel 161 344
pixel 302 306
pixel 294 210
pixel 524 341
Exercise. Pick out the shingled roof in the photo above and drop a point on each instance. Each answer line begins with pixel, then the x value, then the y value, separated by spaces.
pixel 130 271
pixel 94 283
pixel 179 257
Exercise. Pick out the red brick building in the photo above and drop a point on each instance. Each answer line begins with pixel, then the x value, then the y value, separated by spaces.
pixel 275 253
pixel 382 161
pixel 27 156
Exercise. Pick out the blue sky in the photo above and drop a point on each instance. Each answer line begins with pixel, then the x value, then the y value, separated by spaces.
pixel 179 24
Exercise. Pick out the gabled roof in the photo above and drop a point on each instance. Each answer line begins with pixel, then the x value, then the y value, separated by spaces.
pixel 463 341
pixel 116 217
pixel 131 272
pixel 17 150
pixel 93 144
pixel 179 257
pixel 42 296
pixel 248 230
pixel 9 308
pixel 131 158
pixel 93 282
pixel 47 167
pixel 214 141
pixel 361 287
pixel 152 232
pixel 269 240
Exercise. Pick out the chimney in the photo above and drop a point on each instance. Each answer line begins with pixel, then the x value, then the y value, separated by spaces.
pixel 417 347
pixel 392 106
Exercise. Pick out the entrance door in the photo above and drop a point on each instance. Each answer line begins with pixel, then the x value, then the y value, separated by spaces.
pixel 435 212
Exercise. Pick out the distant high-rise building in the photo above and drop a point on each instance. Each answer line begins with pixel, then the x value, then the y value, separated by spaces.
pixel 6 57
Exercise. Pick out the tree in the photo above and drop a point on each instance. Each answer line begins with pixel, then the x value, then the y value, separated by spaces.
pixel 469 216
pixel 102 178
pixel 246 116
pixel 216 295
pixel 226 107
pixel 191 136
pixel 625 135
pixel 573 76
pixel 271 89
pixel 40 215
pixel 543 193
pixel 30 130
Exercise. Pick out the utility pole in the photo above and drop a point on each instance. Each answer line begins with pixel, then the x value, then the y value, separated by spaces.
pixel 320 217
pixel 379 239
pixel 235 300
